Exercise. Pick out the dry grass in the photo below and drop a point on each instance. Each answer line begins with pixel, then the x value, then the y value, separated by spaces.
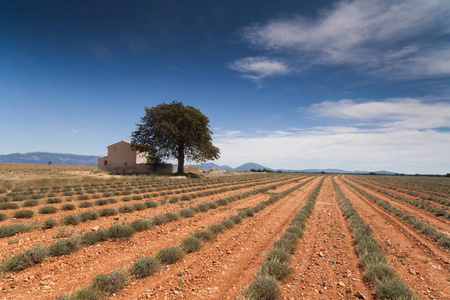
pixel 32 175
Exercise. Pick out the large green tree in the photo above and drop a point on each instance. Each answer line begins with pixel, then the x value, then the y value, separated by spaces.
pixel 173 130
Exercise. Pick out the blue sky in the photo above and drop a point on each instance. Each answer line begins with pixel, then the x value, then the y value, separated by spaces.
pixel 356 85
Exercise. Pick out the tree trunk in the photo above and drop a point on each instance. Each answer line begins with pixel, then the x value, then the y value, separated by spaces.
pixel 180 159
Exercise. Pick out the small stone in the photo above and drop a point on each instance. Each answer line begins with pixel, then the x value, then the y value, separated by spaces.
pixel 96 228
pixel 340 283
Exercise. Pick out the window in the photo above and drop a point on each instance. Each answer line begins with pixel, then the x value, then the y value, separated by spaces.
pixel 125 165
pixel 114 147
pixel 105 162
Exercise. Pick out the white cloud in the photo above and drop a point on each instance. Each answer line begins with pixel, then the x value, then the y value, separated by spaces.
pixel 404 113
pixel 409 151
pixel 383 37
pixel 403 137
pixel 256 68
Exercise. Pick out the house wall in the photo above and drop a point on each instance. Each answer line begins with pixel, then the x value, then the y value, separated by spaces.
pixel 148 169
pixel 122 159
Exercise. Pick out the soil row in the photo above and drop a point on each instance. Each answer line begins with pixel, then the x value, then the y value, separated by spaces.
pixel 422 265
pixel 27 240
pixel 62 274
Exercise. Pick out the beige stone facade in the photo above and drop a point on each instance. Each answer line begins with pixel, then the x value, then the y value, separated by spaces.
pixel 123 159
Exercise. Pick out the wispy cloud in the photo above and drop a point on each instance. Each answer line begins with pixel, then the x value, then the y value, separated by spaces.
pixel 401 135
pixel 402 113
pixel 257 68
pixel 399 39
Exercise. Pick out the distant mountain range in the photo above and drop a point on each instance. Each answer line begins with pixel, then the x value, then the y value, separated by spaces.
pixel 249 166
pixel 43 158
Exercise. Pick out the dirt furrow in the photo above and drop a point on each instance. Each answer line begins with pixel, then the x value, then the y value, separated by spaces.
pixel 325 265
pixel 19 243
pixel 423 215
pixel 422 190
pixel 423 266
pixel 59 275
pixel 222 267
pixel 60 213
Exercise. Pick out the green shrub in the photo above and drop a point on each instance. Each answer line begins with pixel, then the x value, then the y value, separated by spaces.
pixel 120 231
pixel 3 217
pixel 216 228
pixel 274 269
pixel 173 199
pixel 212 205
pixel 191 244
pixel 9 205
pixel 379 273
pixel 47 210
pixel 395 289
pixel 85 204
pixel 145 266
pixel 185 198
pixel 88 216
pixel 263 288
pixel 291 237
pixel 170 216
pixel 139 206
pixel 285 245
pixel 101 202
pixel 10 230
pixel 23 214
pixel 170 255
pixel 110 283
pixel 372 259
pixel 50 223
pixel 19 197
pixel 71 220
pixel 67 206
pixel 64 247
pixel 203 207
pixel 113 200
pixel 278 255
pixel 126 209
pixel 236 219
pixel 205 235
pixel 186 213
pixel 440 212
pixel 109 211
pixel 37 196
pixel 85 293
pixel 26 259
pixel 141 225
pixel 159 220
pixel 30 203
pixel 295 230
pixel 84 197
pixel 94 237
pixel 54 200
pixel 150 203
pixel 247 213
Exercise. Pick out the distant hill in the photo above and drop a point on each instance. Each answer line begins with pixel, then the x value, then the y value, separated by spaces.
pixel 250 165
pixel 43 158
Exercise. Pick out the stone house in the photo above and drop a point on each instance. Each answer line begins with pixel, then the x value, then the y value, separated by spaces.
pixel 123 159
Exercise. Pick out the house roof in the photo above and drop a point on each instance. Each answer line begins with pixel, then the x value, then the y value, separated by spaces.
pixel 127 142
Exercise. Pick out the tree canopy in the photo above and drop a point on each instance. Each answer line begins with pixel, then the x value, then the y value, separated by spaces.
pixel 172 130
